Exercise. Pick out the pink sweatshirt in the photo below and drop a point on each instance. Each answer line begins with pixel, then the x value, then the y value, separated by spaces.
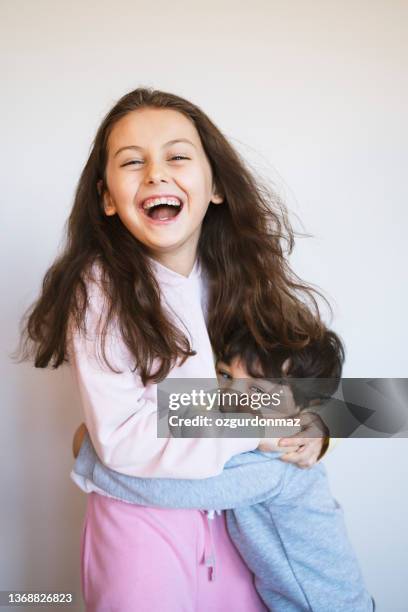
pixel 120 413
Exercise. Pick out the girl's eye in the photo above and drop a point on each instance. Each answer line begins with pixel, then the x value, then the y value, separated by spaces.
pixel 138 161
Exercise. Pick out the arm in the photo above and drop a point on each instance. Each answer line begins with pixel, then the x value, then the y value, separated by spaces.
pixel 248 478
pixel 121 414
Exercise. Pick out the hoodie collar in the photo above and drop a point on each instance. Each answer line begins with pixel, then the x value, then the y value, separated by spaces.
pixel 170 277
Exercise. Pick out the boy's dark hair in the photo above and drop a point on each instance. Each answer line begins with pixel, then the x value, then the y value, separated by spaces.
pixel 322 359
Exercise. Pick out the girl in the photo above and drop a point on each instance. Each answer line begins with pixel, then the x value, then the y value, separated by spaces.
pixel 164 206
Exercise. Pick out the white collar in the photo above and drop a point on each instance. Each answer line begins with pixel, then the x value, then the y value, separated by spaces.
pixel 170 277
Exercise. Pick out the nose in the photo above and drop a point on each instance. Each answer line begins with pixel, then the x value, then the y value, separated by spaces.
pixel 155 173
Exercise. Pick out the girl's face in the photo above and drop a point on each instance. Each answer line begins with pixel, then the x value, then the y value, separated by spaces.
pixel 145 160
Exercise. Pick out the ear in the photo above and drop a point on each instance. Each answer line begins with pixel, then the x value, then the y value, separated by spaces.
pixel 286 365
pixel 108 205
pixel 217 197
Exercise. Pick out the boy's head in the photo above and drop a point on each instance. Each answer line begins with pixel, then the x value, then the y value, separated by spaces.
pixel 322 358
pixel 256 386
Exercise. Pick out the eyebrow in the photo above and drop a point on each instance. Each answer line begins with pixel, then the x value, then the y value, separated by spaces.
pixel 170 142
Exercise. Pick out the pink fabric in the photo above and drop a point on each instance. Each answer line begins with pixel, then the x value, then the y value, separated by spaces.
pixel 121 414
pixel 142 559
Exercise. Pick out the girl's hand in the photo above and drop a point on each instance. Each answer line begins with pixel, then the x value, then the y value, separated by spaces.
pixel 268 445
pixel 78 439
pixel 305 450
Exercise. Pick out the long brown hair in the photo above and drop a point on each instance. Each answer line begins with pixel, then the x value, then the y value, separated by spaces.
pixel 243 249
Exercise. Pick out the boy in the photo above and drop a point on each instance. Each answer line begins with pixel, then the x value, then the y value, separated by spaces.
pixel 284 521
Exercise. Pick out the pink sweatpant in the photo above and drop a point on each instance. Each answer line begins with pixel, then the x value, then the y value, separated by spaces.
pixel 139 559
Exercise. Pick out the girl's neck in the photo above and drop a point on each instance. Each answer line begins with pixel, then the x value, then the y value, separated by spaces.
pixel 181 261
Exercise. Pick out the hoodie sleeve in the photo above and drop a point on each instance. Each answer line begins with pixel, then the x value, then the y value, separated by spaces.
pixel 121 414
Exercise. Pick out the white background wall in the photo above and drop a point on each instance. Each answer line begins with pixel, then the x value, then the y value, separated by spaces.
pixel 314 94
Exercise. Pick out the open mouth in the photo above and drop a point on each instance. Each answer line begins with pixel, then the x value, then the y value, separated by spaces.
pixel 162 209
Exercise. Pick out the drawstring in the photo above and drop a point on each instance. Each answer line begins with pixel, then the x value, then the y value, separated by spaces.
pixel 209 550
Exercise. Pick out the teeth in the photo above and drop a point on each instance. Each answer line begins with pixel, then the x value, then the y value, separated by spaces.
pixel 169 201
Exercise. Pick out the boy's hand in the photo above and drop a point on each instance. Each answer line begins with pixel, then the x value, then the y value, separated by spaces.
pixel 304 449
pixel 78 439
